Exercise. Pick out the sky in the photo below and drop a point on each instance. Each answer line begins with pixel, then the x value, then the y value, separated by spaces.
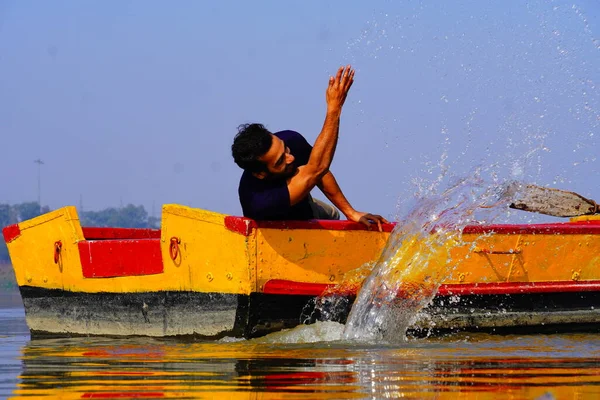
pixel 135 101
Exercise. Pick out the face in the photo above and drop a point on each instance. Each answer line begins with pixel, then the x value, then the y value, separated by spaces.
pixel 279 161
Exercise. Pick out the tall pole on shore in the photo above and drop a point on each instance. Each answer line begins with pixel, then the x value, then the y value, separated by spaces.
pixel 39 162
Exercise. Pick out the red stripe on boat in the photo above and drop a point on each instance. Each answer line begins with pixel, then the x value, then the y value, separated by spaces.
pixel 241 225
pixel 244 227
pixel 93 233
pixel 11 232
pixel 333 225
pixel 519 288
pixel 113 258
pixel 562 228
pixel 280 286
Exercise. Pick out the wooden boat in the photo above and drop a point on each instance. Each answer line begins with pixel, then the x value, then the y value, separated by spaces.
pixel 211 275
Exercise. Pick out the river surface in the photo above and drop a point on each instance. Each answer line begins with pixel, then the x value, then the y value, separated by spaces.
pixel 305 363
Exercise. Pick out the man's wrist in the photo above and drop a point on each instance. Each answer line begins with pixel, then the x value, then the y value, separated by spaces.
pixel 350 214
pixel 334 111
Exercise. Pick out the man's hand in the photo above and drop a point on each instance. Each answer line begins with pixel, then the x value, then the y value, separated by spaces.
pixel 368 219
pixel 338 88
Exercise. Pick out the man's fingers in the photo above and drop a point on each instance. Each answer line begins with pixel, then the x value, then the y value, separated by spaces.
pixel 347 71
pixel 343 78
pixel 372 219
pixel 348 79
pixel 350 82
pixel 365 221
pixel 380 218
pixel 377 219
pixel 338 76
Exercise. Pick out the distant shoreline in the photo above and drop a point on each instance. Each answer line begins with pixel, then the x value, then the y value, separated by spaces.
pixel 7 277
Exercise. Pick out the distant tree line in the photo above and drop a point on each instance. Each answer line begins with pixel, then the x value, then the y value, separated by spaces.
pixel 129 216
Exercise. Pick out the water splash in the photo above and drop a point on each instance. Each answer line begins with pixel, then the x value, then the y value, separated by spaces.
pixel 322 331
pixel 417 259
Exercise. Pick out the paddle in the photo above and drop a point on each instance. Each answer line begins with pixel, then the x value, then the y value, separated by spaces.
pixel 555 202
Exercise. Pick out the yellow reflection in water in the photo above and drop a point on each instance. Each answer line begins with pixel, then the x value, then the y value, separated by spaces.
pixel 481 367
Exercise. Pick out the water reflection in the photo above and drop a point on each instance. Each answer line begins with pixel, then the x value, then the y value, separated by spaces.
pixel 559 366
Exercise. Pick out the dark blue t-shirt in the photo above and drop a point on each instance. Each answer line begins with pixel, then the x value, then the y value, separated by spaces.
pixel 263 199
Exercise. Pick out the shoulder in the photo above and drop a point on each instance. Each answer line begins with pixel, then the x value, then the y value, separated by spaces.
pixel 289 135
pixel 294 140
pixel 248 181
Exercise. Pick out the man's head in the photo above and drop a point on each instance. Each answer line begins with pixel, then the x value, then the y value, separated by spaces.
pixel 258 151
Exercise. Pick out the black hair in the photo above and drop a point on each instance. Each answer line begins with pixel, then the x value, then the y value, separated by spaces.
pixel 251 142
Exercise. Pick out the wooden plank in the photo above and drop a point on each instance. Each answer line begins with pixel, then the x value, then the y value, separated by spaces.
pixel 549 201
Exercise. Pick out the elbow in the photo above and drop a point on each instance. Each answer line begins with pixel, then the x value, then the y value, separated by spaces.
pixel 314 175
pixel 321 169
pixel 315 171
pixel 319 173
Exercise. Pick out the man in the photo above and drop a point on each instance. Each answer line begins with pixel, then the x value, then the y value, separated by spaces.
pixel 281 169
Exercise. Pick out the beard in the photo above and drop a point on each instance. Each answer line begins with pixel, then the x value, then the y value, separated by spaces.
pixel 288 172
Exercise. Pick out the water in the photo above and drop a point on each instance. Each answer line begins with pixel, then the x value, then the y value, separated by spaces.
pixel 315 363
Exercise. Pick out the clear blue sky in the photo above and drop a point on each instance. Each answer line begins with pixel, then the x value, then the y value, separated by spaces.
pixel 138 101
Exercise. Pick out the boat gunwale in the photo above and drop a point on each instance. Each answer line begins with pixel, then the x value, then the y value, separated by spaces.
pixel 245 226
pixel 110 233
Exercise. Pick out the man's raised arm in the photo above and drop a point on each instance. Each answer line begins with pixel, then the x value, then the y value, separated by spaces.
pixel 323 150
